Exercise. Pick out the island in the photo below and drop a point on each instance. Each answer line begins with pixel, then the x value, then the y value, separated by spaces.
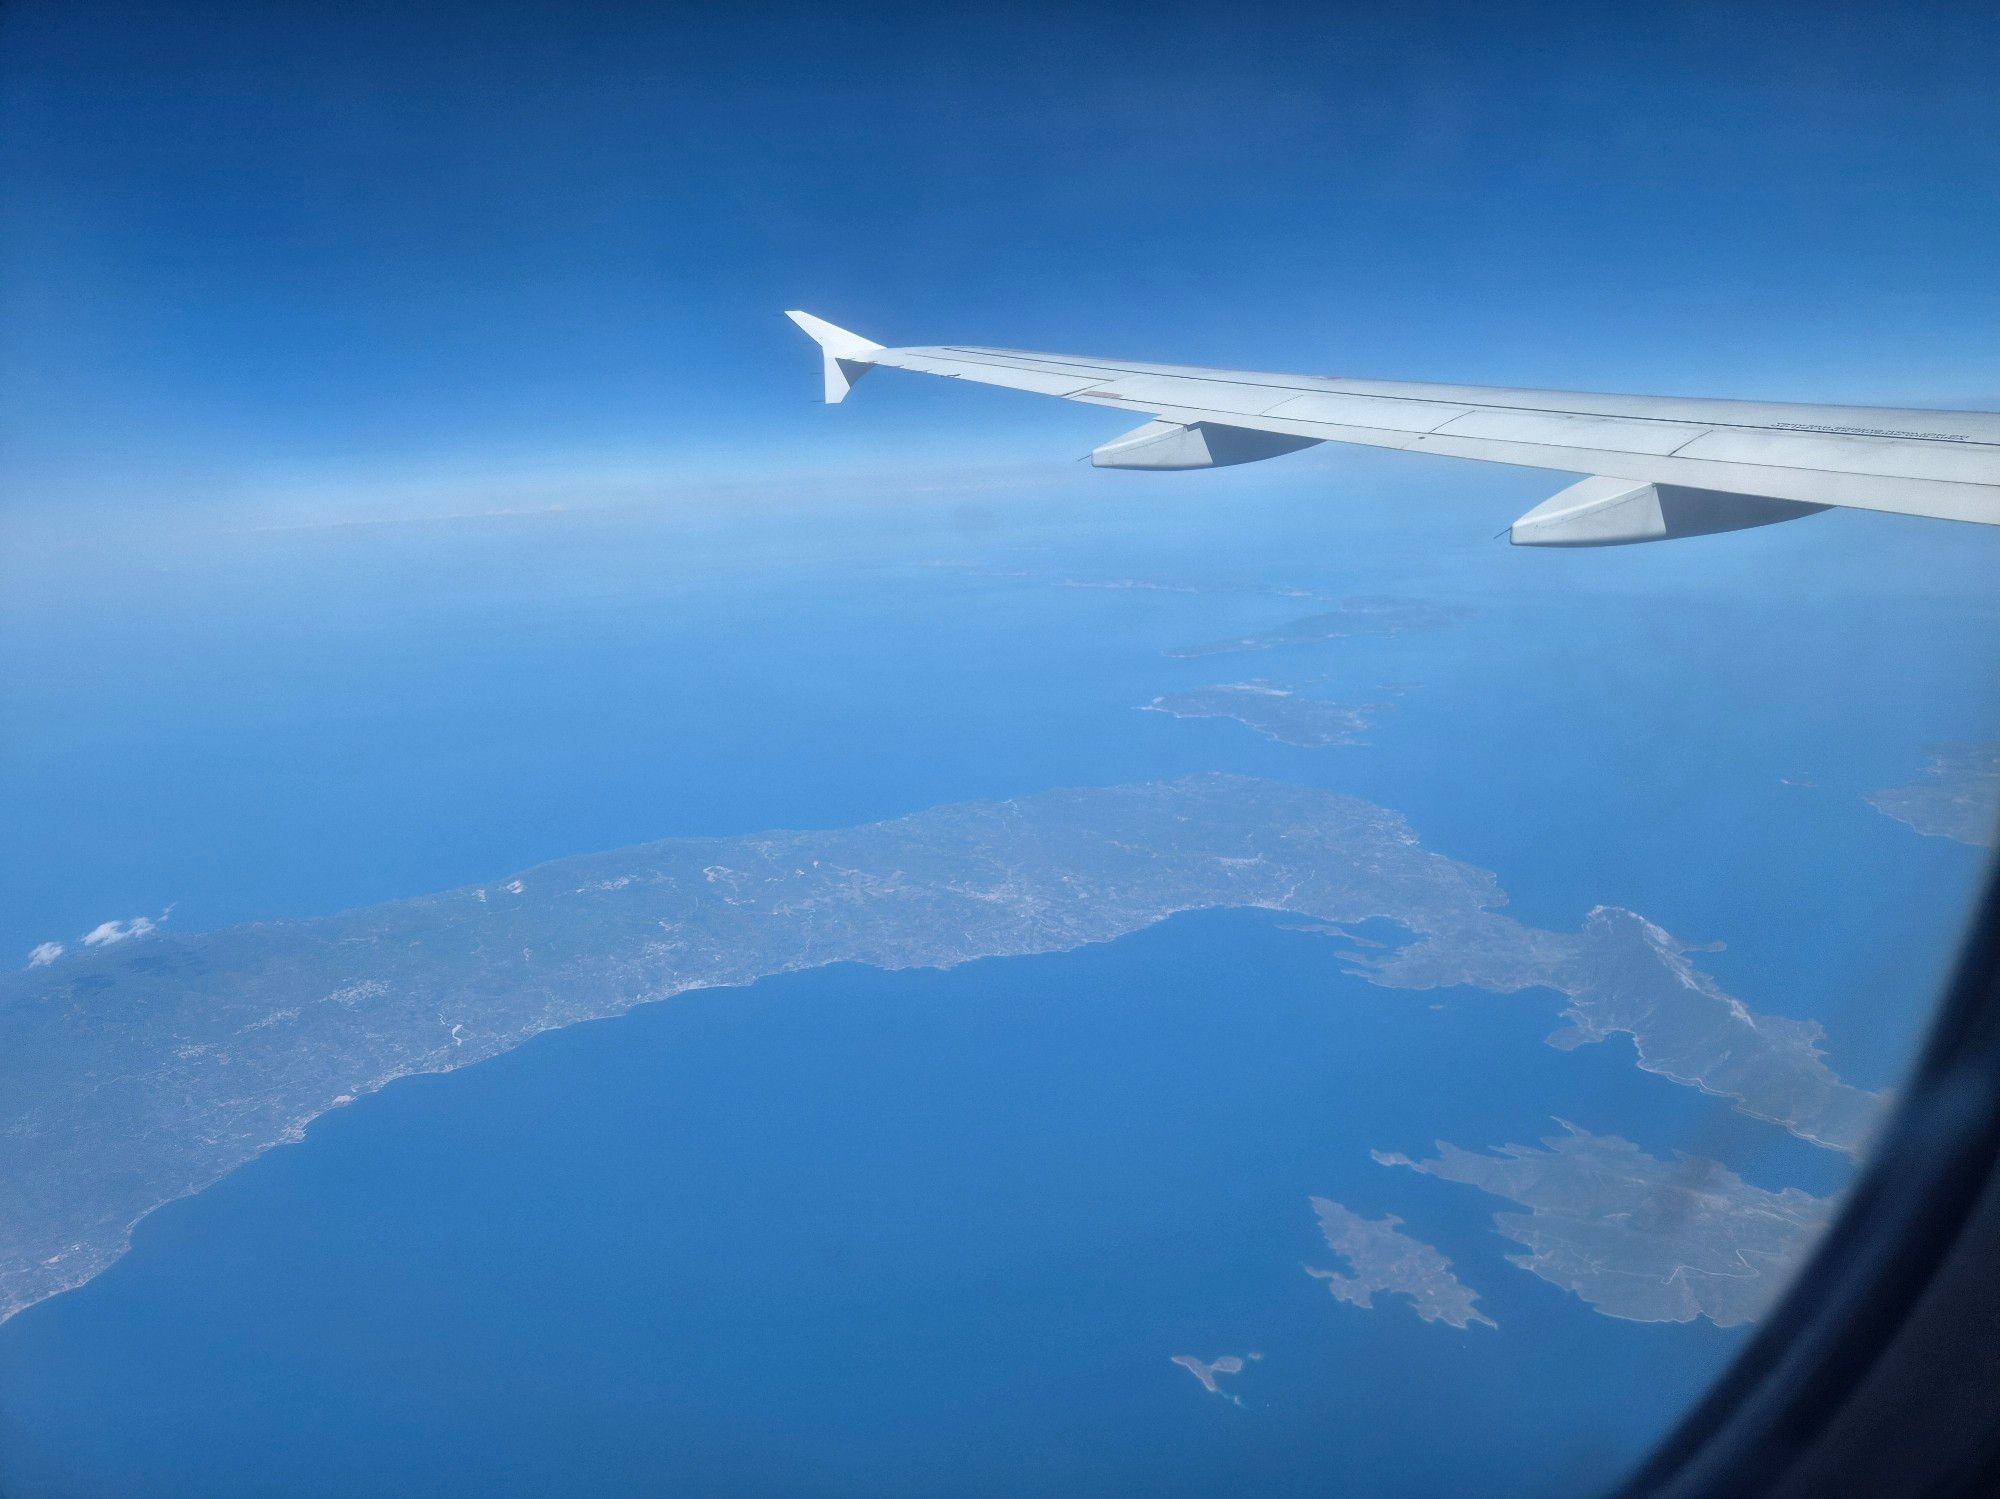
pixel 1959 797
pixel 1382 1258
pixel 1637 1237
pixel 1229 1363
pixel 1275 712
pixel 1350 617
pixel 1185 585
pixel 137 1071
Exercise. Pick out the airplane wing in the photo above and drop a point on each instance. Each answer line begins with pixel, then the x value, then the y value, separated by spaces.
pixel 1658 467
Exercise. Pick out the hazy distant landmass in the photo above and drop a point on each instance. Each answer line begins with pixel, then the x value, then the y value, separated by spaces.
pixel 1383 1258
pixel 1638 1237
pixel 1959 797
pixel 1275 712
pixel 1136 585
pixel 1355 616
pixel 1229 1363
pixel 136 1071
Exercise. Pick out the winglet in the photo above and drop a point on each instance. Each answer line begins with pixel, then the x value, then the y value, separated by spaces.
pixel 847 354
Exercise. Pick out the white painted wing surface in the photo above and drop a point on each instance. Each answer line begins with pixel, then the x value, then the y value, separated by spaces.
pixel 1685 458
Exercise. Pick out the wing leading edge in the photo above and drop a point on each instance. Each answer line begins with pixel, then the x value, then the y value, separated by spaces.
pixel 1659 467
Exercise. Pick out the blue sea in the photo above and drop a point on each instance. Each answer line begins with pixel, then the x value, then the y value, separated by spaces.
pixel 854 1232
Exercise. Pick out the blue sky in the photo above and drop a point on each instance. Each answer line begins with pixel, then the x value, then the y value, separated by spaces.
pixel 327 258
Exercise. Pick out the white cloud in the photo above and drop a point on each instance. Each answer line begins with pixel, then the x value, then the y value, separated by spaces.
pixel 44 954
pixel 107 932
